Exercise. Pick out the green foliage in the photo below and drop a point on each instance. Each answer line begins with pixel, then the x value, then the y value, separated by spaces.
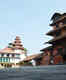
pixel 25 49
pixel 25 63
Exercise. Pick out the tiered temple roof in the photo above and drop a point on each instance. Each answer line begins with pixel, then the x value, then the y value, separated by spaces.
pixel 52 32
pixel 47 48
pixel 7 50
pixel 59 30
pixel 57 17
pixel 17 43
pixel 12 46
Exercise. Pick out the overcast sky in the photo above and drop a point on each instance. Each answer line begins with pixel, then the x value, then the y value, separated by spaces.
pixel 28 19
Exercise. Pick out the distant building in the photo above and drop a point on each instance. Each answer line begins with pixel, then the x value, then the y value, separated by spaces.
pixel 12 54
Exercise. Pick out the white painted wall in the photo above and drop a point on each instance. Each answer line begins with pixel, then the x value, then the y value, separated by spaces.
pixel 16 58
pixel 22 57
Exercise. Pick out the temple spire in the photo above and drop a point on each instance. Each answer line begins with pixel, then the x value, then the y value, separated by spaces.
pixel 17 43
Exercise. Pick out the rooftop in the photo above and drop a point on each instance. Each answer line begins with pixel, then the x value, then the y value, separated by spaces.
pixel 52 32
pixel 57 17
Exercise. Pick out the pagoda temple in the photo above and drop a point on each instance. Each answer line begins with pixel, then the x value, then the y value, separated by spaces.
pixel 57 51
pixel 12 54
pixel 17 44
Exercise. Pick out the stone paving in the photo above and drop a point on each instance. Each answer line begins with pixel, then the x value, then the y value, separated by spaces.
pixel 57 72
